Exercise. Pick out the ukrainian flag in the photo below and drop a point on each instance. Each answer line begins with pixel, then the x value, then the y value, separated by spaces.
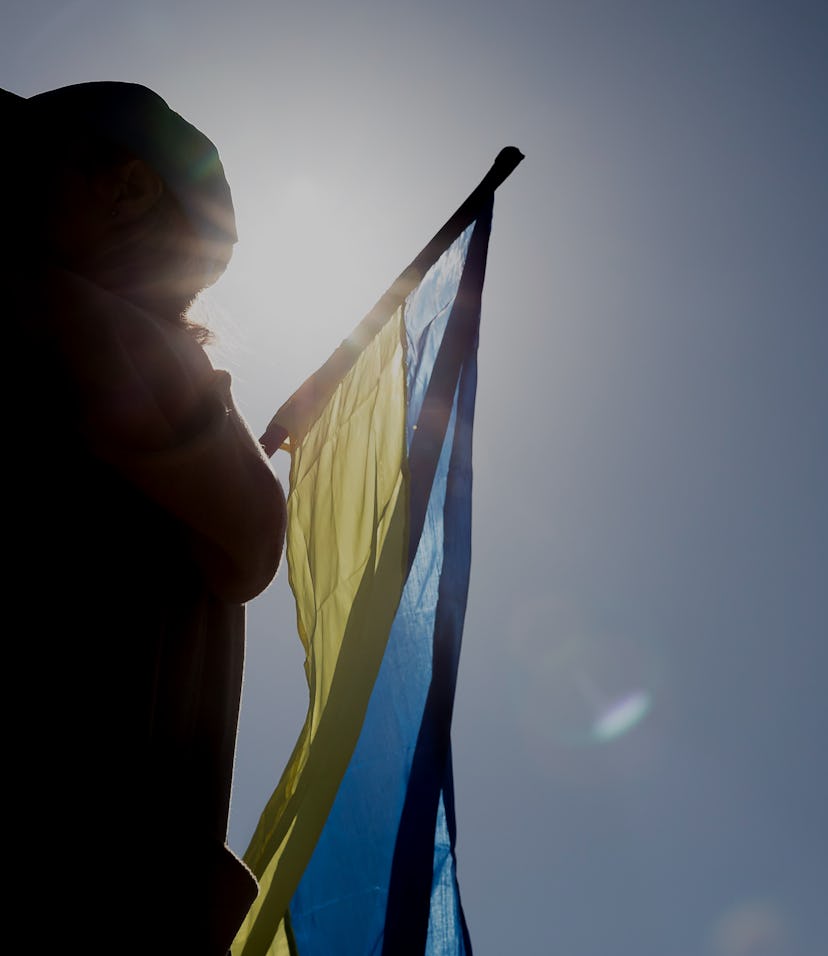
pixel 354 852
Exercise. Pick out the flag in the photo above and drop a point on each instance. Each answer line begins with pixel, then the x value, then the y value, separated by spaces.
pixel 355 850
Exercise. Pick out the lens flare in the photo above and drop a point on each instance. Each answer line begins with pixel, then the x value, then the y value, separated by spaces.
pixel 752 928
pixel 580 687
pixel 621 716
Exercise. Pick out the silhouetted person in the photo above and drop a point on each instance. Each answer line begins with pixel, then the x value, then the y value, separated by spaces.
pixel 141 515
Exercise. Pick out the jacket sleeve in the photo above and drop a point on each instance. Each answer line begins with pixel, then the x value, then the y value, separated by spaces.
pixel 149 403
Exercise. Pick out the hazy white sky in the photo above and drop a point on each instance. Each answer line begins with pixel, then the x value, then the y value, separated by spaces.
pixel 651 458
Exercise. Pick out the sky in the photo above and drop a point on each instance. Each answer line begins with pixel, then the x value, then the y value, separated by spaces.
pixel 640 720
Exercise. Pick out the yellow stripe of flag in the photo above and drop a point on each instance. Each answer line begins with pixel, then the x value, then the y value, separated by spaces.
pixel 346 551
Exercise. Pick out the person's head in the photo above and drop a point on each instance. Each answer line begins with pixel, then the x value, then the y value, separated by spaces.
pixel 135 197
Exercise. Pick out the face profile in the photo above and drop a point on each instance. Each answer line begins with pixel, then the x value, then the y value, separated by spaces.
pixel 129 193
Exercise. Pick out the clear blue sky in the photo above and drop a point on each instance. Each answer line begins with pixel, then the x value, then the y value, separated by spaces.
pixel 651 459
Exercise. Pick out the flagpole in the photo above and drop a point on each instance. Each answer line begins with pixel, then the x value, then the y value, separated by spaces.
pixel 317 389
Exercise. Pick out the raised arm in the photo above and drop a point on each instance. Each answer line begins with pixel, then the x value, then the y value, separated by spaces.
pixel 150 404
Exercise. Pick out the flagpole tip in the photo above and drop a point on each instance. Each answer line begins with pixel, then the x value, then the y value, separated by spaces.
pixel 504 165
pixel 508 158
